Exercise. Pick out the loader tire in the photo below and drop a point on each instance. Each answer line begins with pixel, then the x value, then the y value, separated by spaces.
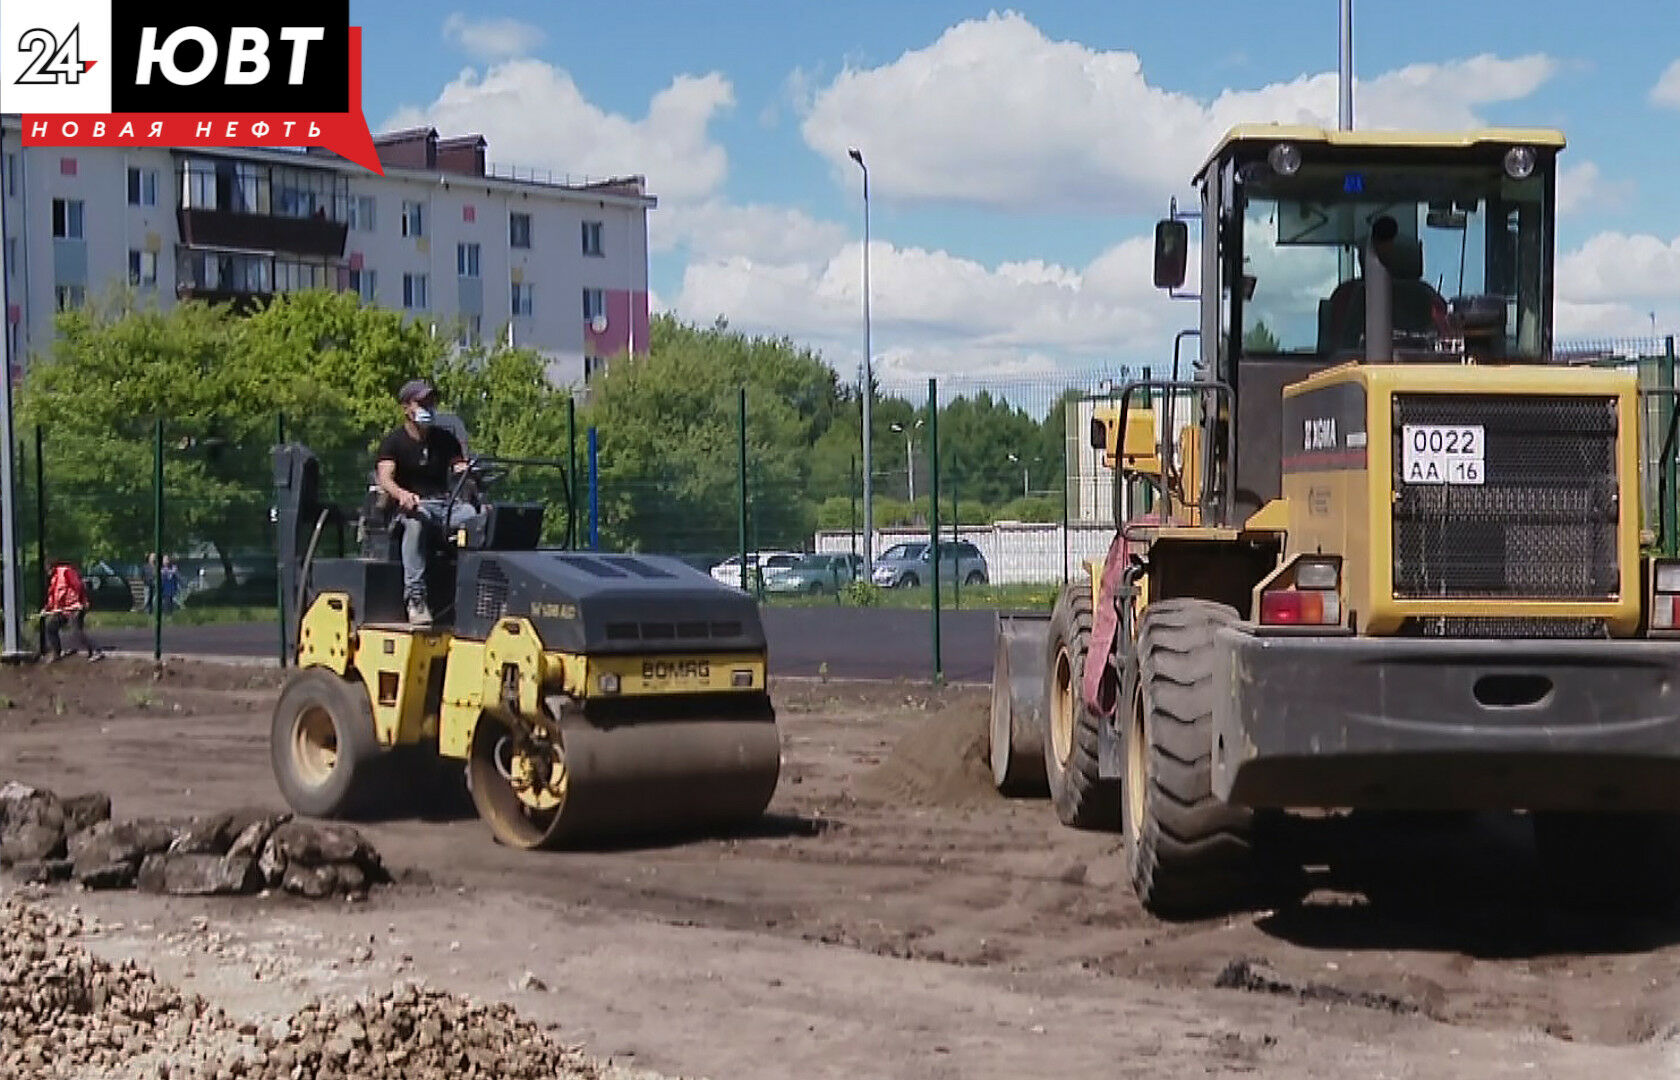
pixel 1190 855
pixel 1610 863
pixel 327 760
pixel 1082 799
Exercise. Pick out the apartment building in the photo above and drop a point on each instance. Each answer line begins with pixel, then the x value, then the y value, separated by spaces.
pixel 473 251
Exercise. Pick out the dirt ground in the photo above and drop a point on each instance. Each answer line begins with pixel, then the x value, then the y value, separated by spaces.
pixel 893 917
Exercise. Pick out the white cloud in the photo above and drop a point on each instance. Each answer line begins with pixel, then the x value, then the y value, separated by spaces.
pixel 1667 90
pixel 937 313
pixel 1611 284
pixel 994 113
pixel 492 38
pixel 533 114
pixel 777 235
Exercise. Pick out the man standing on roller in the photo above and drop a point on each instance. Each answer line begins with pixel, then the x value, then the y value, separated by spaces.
pixel 414 465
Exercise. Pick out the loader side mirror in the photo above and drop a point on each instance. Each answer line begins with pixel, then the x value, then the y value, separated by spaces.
pixel 1172 246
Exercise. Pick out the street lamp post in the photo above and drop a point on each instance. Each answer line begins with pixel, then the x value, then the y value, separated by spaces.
pixel 909 458
pixel 1026 486
pixel 868 387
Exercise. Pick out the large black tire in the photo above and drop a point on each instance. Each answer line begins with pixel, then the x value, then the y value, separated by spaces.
pixel 1082 800
pixel 1190 855
pixel 325 754
pixel 1609 862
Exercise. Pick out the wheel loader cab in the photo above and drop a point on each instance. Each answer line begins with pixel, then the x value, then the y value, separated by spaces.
pixel 1394 561
pixel 586 694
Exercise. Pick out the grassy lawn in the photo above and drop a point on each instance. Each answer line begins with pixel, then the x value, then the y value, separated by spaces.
pixel 960 598
pixel 186 616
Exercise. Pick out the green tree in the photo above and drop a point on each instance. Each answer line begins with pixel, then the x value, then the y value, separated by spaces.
pixel 1260 339
pixel 218 381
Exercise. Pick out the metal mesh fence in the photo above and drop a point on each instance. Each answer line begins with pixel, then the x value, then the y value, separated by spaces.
pixel 1023 500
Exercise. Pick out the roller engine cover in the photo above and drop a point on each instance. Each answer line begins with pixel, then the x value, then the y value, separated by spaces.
pixel 601 604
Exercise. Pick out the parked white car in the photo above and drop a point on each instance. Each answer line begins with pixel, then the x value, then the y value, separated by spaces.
pixel 769 563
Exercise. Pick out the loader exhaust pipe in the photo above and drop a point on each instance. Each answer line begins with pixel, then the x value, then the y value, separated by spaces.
pixel 1379 292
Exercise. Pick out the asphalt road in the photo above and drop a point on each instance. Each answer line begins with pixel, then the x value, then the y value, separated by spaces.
pixel 854 643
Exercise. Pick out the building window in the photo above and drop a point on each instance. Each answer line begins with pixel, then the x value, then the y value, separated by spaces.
pixel 414 291
pixel 68 296
pixel 522 299
pixel 466 260
pixel 471 328
pixel 142 187
pixel 67 219
pixel 594 303
pixel 592 238
pixel 142 268
pixel 364 283
pixel 361 213
pixel 414 219
pixel 519 230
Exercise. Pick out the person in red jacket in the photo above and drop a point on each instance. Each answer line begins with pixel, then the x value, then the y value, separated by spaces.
pixel 67 605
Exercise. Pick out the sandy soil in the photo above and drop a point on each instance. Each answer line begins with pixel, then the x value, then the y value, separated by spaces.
pixel 892 917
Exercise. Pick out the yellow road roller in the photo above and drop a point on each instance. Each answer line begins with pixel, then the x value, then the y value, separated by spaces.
pixel 588 695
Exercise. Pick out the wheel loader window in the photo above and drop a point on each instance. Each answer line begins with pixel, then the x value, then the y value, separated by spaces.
pixel 1466 235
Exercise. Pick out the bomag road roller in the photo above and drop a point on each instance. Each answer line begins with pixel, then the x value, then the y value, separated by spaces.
pixel 588 695
pixel 1378 550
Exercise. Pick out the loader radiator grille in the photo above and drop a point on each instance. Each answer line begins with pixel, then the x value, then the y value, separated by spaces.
pixel 1504 628
pixel 1542 524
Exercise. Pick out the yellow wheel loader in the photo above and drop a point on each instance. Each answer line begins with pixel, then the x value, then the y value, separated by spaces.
pixel 1395 557
pixel 585 695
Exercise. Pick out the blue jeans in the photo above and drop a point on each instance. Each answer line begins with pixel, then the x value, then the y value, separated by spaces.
pixel 413 551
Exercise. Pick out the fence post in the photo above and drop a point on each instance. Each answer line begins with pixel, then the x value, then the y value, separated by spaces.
pixel 956 534
pixel 571 472
pixel 157 540
pixel 41 531
pixel 851 487
pixel 933 520
pixel 280 579
pixel 1671 542
pixel 1067 541
pixel 594 490
pixel 741 476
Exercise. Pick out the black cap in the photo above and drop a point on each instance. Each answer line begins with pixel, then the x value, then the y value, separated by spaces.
pixel 415 390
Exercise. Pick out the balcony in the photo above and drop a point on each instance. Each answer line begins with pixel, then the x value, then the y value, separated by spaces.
pixel 227 203
pixel 247 279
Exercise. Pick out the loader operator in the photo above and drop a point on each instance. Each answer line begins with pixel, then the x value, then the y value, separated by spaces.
pixel 414 467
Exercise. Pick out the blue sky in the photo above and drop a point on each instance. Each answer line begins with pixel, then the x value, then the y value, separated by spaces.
pixel 1018 156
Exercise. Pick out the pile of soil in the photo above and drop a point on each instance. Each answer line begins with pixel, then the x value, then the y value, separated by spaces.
pixel 942 761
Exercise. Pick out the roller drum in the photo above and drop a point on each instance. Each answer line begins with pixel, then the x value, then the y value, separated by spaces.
pixel 686 770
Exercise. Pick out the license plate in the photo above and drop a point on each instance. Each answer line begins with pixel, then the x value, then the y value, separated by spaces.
pixel 1443 454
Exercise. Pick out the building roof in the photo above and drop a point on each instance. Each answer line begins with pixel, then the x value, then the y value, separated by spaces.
pixel 1381 139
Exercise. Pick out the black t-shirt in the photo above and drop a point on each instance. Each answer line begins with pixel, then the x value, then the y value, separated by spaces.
pixel 422 464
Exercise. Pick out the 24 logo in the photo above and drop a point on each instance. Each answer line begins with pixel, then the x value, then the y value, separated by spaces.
pixel 53 63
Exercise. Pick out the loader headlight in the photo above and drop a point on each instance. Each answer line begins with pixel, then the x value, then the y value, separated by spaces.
pixel 608 683
pixel 1519 162
pixel 1285 159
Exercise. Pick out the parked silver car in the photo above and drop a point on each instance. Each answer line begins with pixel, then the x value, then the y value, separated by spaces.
pixel 910 564
pixel 817 574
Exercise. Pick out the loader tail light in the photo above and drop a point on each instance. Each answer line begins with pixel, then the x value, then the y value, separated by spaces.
pixel 1300 607
pixel 1308 595
pixel 1665 601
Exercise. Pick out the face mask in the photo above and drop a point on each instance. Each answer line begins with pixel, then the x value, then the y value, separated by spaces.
pixel 423 417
